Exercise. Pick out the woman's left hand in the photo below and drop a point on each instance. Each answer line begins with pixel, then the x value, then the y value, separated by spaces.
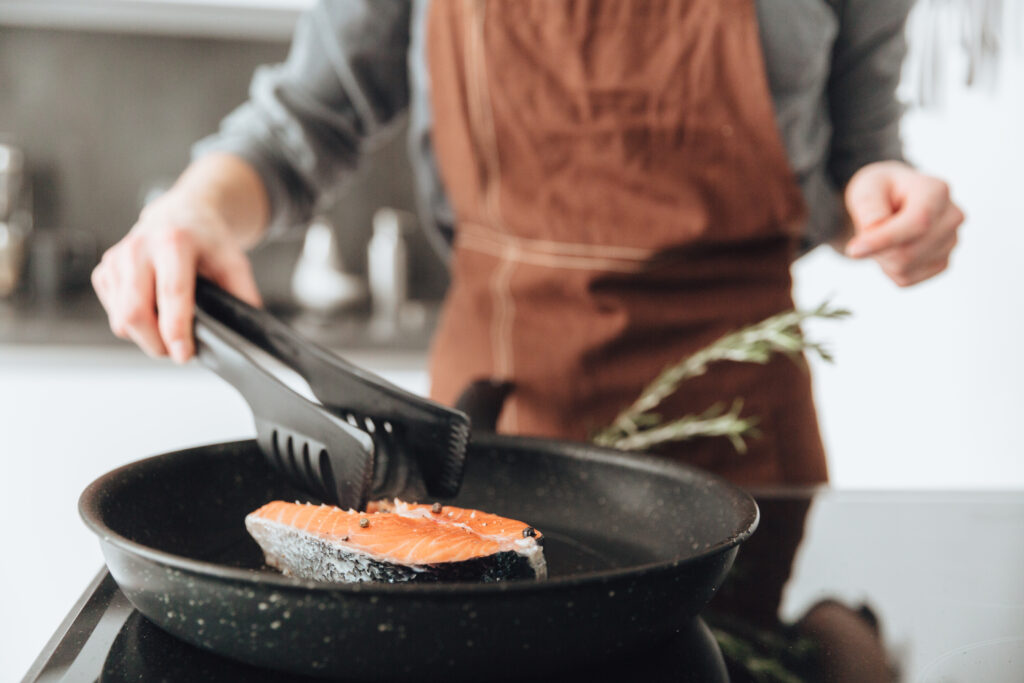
pixel 903 219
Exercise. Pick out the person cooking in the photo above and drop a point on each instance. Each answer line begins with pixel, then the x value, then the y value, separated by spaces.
pixel 621 182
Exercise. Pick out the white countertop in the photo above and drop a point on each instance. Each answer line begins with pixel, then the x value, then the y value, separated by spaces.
pixel 68 415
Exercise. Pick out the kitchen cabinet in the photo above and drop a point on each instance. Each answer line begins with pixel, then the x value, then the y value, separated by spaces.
pixel 264 19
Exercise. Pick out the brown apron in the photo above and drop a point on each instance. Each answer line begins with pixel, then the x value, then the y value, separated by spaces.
pixel 622 199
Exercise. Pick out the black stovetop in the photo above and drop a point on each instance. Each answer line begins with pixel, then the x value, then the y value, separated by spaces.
pixel 917 587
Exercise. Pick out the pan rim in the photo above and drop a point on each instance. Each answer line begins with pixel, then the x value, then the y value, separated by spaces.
pixel 88 510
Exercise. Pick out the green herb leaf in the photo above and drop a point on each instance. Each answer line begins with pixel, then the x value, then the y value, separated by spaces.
pixel 638 428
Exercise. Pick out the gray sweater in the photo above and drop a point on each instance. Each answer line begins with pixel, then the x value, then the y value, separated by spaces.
pixel 357 67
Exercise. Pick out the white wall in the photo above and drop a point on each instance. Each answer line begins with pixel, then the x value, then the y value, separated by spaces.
pixel 927 387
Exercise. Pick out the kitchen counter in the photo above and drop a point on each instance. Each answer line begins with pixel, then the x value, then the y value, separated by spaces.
pixel 79 320
pixel 73 320
pixel 925 584
pixel 68 414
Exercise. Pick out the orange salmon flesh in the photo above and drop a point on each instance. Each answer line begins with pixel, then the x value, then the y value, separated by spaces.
pixel 394 532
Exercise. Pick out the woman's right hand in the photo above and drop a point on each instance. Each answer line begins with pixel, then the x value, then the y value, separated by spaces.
pixel 146 282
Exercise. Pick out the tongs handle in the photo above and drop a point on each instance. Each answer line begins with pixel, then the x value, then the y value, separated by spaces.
pixel 319 451
pixel 435 436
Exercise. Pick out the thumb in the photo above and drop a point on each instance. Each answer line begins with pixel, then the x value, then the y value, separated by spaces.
pixel 869 202
pixel 232 270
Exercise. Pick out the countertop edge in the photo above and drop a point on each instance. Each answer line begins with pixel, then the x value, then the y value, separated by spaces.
pixel 239 20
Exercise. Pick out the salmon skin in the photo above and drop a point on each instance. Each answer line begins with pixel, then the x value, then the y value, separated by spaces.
pixel 395 541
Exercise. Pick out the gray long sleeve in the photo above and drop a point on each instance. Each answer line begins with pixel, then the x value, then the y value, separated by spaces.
pixel 308 120
pixel 867 59
pixel 833 67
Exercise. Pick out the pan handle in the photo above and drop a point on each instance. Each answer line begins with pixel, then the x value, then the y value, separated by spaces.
pixel 482 401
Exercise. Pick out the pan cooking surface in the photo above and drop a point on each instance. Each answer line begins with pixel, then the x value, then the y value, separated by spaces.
pixel 597 515
pixel 569 554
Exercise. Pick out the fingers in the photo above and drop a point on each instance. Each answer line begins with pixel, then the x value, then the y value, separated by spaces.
pixel 146 282
pixel 134 312
pixel 917 262
pixel 175 265
pixel 914 240
pixel 102 282
pixel 232 270
pixel 868 200
pixel 920 275
pixel 923 203
pixel 905 274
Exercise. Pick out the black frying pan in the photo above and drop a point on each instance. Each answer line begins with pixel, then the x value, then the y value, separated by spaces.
pixel 636 546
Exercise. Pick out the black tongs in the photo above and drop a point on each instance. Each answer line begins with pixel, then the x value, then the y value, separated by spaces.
pixel 366 438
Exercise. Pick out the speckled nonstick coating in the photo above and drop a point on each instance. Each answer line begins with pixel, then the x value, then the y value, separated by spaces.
pixel 635 545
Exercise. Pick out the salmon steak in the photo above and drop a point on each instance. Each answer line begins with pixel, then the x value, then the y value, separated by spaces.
pixel 394 541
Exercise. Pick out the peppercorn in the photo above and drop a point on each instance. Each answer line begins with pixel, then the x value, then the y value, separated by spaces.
pixel 436 508
pixel 364 522
pixel 529 532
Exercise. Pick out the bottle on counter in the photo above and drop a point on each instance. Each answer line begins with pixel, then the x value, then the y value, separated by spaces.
pixel 15 217
pixel 319 281
pixel 387 266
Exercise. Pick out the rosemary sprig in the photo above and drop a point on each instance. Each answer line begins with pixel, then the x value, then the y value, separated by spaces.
pixel 637 427
pixel 715 421
pixel 765 656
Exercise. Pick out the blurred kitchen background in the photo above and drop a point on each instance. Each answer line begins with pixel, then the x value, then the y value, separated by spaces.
pixel 102 110
pixel 100 101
